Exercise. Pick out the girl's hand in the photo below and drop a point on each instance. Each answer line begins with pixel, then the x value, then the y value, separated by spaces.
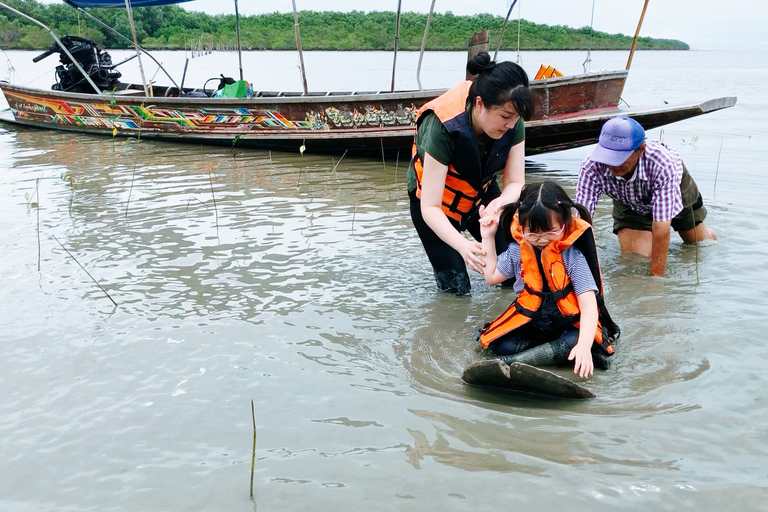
pixel 583 365
pixel 581 354
pixel 473 253
pixel 489 224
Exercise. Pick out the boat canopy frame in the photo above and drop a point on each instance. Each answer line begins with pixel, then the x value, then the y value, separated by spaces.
pixel 116 4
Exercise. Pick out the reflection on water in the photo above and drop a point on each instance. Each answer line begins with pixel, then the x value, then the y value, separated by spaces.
pixel 442 452
pixel 487 457
pixel 219 233
pixel 297 281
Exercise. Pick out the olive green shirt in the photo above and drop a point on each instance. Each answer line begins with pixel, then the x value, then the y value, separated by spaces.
pixel 433 138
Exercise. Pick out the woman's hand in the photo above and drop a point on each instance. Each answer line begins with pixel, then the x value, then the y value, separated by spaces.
pixel 473 253
pixel 494 208
pixel 581 355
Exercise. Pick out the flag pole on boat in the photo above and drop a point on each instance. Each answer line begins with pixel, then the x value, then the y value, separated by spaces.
pixel 634 41
pixel 239 46
pixel 424 45
pixel 501 34
pixel 298 46
pixel 58 42
pixel 397 36
pixel 637 34
pixel 136 46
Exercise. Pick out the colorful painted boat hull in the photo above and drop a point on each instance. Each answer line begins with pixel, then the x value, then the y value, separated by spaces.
pixel 568 113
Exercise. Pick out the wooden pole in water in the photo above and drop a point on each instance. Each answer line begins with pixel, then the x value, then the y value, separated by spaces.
pixel 37 192
pixel 84 270
pixel 397 38
pixel 136 45
pixel 637 34
pixel 253 455
pixel 298 46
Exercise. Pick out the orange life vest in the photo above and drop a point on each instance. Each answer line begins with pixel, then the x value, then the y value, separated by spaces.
pixel 468 176
pixel 545 279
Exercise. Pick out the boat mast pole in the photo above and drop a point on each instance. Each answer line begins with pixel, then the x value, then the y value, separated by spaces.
pixel 298 46
pixel 588 60
pixel 58 41
pixel 424 45
pixel 397 37
pixel 136 46
pixel 637 34
pixel 239 46
pixel 501 35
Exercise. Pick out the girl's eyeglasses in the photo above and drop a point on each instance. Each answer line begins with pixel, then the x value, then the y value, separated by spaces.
pixel 533 237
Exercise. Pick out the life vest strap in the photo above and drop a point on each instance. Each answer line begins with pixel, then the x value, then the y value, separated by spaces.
pixel 458 197
pixel 611 329
pixel 605 345
pixel 551 296
pixel 525 312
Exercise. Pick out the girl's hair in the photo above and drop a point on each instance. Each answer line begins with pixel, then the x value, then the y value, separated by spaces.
pixel 499 83
pixel 539 205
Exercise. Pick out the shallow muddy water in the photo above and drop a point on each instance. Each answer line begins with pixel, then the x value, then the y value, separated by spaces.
pixel 298 282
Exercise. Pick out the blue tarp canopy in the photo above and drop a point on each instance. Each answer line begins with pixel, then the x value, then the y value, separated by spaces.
pixel 121 3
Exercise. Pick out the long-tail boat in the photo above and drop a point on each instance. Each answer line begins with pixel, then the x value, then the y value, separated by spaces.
pixel 89 98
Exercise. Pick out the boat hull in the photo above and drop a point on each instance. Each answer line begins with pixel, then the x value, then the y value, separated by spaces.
pixel 569 112
pixel 319 121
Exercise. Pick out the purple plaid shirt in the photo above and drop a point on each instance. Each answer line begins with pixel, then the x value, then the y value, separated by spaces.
pixel 653 188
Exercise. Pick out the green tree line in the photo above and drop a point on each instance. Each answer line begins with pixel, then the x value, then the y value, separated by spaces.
pixel 171 27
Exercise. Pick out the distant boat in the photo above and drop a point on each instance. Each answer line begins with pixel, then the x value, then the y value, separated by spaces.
pixel 569 110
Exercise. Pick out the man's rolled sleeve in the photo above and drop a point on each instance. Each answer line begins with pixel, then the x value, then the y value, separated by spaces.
pixel 667 200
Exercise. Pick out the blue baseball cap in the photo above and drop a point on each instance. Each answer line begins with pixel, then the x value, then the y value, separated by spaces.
pixel 619 137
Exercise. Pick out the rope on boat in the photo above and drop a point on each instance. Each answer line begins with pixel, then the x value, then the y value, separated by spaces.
pixel 10 69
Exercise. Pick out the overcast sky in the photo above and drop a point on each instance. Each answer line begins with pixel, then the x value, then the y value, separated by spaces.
pixel 703 24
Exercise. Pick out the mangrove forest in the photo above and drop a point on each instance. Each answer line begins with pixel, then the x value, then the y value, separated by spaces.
pixel 171 27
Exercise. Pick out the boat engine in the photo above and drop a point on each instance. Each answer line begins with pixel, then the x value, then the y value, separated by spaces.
pixel 95 61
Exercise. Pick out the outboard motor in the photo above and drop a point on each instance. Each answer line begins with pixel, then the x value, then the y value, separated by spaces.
pixel 96 62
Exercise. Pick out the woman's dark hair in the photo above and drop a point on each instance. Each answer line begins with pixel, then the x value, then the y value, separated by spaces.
pixel 536 206
pixel 498 83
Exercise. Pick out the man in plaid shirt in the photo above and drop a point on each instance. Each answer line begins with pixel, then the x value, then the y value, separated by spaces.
pixel 651 191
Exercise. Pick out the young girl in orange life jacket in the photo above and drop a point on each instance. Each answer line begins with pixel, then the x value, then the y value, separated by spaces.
pixel 559 314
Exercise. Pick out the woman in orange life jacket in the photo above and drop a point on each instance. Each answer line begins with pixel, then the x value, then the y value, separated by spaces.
pixel 463 138
pixel 558 315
